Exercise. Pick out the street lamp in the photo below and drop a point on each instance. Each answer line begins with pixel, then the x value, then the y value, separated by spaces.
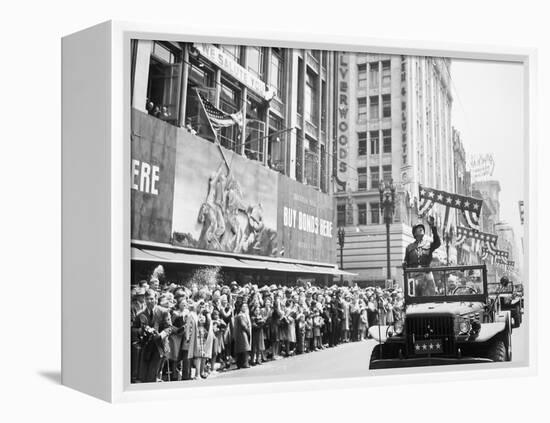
pixel 341 242
pixel 387 206
pixel 448 238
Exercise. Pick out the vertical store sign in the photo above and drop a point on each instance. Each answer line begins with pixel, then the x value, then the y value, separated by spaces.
pixel 342 132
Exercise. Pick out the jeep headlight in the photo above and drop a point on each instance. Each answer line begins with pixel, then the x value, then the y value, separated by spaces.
pixel 464 327
pixel 398 327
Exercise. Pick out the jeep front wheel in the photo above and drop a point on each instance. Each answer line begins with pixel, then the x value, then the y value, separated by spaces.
pixel 497 351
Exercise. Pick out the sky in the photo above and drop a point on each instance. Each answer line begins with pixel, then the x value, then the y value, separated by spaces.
pixel 489 113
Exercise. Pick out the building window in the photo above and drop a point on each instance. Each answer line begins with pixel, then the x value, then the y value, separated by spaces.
pixel 386 140
pixel 230 102
pixel 323 105
pixel 362 213
pixel 386 106
pixel 374 177
pixel 300 86
pixel 374 213
pixel 316 54
pixel 255 61
pixel 164 84
pixel 362 143
pixel 386 73
pixel 374 106
pixel 362 75
pixel 362 179
pixel 362 108
pixel 374 142
pixel 233 51
pixel 311 100
pixel 386 171
pixel 373 74
pixel 341 215
pixel 276 79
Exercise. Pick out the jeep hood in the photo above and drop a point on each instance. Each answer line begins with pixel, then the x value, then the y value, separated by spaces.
pixel 444 308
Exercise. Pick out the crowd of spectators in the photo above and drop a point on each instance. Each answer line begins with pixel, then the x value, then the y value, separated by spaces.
pixel 187 331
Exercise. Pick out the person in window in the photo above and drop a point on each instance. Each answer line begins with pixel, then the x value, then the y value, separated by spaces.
pixel 419 254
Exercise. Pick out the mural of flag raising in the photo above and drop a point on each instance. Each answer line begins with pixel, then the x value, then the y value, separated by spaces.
pixel 470 207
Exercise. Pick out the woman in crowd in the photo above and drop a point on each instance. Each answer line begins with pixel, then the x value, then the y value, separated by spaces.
pixel 243 334
pixel 258 322
pixel 200 339
pixel 218 329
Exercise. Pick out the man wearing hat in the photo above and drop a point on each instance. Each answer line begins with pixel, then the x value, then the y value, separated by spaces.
pixel 419 254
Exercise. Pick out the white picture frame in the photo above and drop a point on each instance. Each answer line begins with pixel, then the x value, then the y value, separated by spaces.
pixel 96 228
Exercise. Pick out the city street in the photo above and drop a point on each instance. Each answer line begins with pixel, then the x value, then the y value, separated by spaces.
pixel 346 360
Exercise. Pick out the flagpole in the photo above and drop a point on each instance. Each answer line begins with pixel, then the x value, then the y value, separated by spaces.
pixel 213 130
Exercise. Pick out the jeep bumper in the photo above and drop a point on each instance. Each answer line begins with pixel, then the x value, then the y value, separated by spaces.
pixel 424 361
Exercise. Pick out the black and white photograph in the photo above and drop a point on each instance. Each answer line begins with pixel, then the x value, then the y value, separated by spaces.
pixel 305 214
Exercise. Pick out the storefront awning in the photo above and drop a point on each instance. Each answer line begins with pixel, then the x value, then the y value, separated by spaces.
pixel 142 254
pixel 162 256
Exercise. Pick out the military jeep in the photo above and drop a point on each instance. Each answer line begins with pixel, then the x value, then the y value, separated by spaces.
pixel 448 318
pixel 510 296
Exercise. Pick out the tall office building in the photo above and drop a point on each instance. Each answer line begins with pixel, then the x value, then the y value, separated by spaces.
pixel 393 122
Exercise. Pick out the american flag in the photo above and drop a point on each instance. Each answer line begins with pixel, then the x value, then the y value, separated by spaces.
pixel 218 118
pixel 470 207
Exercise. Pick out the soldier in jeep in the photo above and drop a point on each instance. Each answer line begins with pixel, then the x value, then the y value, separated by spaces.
pixel 419 254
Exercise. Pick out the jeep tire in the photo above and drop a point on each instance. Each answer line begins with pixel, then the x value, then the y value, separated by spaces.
pixel 497 350
pixel 376 354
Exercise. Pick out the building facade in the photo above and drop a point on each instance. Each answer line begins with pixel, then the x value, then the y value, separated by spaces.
pixel 230 158
pixel 393 122
pixel 463 186
pixel 284 97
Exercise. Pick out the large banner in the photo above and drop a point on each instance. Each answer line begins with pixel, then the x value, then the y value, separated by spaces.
pixel 153 151
pixel 194 193
pixel 305 222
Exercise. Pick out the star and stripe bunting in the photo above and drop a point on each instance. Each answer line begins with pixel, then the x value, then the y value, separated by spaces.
pixel 470 207
pixel 481 239
pixel 484 253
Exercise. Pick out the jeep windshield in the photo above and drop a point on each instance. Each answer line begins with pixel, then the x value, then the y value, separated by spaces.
pixel 455 283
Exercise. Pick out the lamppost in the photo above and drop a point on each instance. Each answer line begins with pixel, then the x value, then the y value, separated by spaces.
pixel 448 238
pixel 341 242
pixel 387 205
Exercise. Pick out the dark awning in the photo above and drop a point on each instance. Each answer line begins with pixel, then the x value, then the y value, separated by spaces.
pixel 184 257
